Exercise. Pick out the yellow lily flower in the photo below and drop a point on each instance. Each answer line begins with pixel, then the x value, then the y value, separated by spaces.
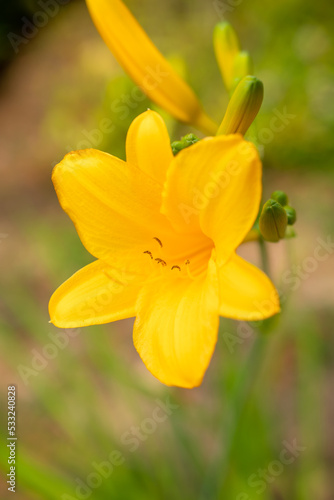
pixel 164 230
pixel 146 65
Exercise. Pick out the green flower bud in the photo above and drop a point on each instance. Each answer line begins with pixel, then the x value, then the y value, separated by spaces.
pixel 243 107
pixel 226 46
pixel 281 197
pixel 185 142
pixel 242 66
pixel 189 139
pixel 291 213
pixel 176 147
pixel 273 221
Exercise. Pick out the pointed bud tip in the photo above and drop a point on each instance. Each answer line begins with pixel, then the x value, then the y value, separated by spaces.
pixel 226 30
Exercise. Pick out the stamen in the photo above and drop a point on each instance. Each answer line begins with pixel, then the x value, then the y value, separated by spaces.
pixel 157 239
pixel 160 261
pixel 176 267
pixel 149 253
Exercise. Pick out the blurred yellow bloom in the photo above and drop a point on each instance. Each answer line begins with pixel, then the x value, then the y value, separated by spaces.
pixel 226 45
pixel 234 64
pixel 146 65
pixel 164 230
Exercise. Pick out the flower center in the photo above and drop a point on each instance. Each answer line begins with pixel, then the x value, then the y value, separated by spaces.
pixel 184 268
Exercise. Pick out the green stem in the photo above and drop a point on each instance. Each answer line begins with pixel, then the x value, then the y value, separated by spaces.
pixel 264 256
pixel 217 474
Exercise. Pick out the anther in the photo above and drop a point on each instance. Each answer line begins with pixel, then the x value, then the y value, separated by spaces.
pixel 176 267
pixel 149 253
pixel 160 261
pixel 157 239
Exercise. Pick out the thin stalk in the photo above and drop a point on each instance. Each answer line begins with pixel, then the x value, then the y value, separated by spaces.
pixel 216 477
pixel 264 256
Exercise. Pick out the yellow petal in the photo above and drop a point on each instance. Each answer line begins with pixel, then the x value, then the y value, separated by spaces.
pixel 94 295
pixel 148 145
pixel 176 327
pixel 245 292
pixel 214 186
pixel 114 206
pixel 145 64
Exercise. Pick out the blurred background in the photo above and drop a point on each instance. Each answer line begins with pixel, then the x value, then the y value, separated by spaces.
pixel 87 406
